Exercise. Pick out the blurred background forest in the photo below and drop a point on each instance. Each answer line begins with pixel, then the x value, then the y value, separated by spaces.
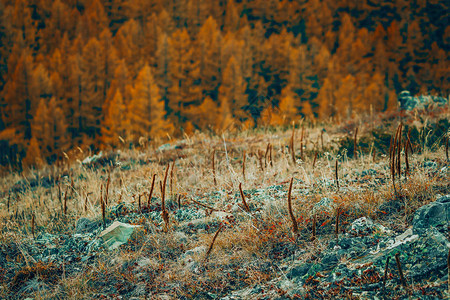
pixel 101 73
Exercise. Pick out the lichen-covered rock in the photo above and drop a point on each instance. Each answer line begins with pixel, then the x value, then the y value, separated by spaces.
pixel 435 214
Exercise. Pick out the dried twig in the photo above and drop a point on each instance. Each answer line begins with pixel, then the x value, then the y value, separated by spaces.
pixel 266 155
pixel 204 205
pixel 213 166
pixel 151 192
pixel 301 143
pixel 107 188
pixel 139 203
pixel 65 200
pixel 102 203
pixel 247 209
pixel 291 214
pixel 212 242
pixel 243 166
pixel 164 213
pixel 291 144
pixel 337 175
pixel 355 149
pixel 336 228
pixel 314 161
pixel 399 266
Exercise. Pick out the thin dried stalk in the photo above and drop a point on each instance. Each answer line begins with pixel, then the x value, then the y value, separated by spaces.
pixel 399 266
pixel 247 209
pixel 408 135
pixel 85 203
pixel 212 242
pixel 406 160
pixel 213 166
pixel 260 156
pixel 291 144
pixel 270 154
pixel 266 155
pixel 321 139
pixel 164 213
pixel 107 189
pixel 314 161
pixel 171 178
pixel 204 205
pixel 139 203
pixel 151 192
pixel 337 175
pixel 355 149
pixel 399 147
pixel 65 200
pixel 32 225
pixel 243 166
pixel 291 214
pixel 9 200
pixel 179 202
pixel 336 228
pixel 103 207
pixel 301 143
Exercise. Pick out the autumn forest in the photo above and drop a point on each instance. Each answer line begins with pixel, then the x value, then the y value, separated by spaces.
pixel 107 73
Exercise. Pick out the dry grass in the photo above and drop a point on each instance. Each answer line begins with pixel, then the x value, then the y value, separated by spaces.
pixel 249 246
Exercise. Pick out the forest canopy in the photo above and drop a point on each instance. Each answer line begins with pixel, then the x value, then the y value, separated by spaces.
pixel 101 73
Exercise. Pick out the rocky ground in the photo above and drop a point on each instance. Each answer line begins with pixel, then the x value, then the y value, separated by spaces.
pixel 357 236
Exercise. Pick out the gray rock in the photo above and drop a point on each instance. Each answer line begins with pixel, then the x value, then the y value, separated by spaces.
pixel 435 214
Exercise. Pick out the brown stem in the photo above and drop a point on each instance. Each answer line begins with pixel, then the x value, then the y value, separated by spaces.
pixel 65 200
pixel 355 150
pixel 291 146
pixel 151 192
pixel 270 154
pixel 102 203
pixel 301 143
pixel 336 229
pixel 314 161
pixel 321 139
pixel 291 214
pixel 247 209
pixel 266 155
pixel 139 203
pixel 243 166
pixel 214 167
pixel 204 205
pixel 399 266
pixel 212 242
pixel 171 178
pixel 337 175
pixel 399 147
pixel 107 189
pixel 406 160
